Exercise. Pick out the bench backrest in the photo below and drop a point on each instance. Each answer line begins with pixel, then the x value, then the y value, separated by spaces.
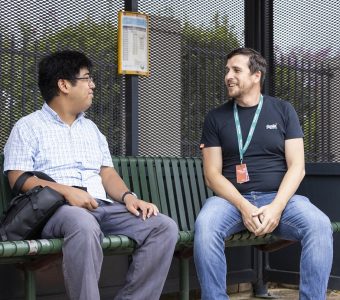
pixel 175 185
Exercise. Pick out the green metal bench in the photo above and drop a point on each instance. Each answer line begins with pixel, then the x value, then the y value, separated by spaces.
pixel 175 185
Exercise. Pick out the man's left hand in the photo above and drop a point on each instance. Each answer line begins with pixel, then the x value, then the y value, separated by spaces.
pixel 269 216
pixel 135 205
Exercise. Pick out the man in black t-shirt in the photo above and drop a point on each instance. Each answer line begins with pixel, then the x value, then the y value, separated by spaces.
pixel 253 158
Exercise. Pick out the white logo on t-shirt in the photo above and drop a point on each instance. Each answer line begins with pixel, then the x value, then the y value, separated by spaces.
pixel 272 126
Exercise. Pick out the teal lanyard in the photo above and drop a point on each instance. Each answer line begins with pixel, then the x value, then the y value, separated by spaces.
pixel 242 149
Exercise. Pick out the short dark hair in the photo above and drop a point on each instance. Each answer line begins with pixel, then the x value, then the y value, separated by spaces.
pixel 64 64
pixel 256 60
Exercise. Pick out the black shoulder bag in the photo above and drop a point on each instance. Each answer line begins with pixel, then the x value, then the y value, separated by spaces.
pixel 28 213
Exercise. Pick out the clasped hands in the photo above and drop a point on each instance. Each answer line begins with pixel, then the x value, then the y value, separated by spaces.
pixel 261 220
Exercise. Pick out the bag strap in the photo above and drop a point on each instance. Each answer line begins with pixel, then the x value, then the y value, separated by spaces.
pixel 3 234
pixel 24 176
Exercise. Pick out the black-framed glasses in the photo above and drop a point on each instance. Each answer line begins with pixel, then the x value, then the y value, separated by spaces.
pixel 89 79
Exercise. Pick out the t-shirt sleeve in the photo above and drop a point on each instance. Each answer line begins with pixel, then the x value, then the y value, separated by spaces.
pixel 293 127
pixel 210 136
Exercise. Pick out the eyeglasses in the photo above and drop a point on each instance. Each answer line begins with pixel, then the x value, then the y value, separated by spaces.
pixel 89 79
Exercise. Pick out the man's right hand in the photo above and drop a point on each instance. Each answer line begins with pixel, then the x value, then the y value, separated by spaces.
pixel 80 198
pixel 247 210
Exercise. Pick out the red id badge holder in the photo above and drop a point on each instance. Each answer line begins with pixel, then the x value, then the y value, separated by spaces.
pixel 242 175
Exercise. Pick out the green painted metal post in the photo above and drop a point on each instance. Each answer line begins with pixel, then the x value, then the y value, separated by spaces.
pixel 184 279
pixel 30 293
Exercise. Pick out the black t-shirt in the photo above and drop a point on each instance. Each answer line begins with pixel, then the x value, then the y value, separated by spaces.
pixel 265 156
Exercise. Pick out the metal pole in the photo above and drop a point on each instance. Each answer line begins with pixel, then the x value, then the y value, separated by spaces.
pixel 268 45
pixel 131 101
pixel 184 285
pixel 259 36
pixel 252 24
pixel 30 291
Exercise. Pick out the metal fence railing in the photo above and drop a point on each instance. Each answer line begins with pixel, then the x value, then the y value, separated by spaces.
pixel 188 49
pixel 307 84
pixel 33 31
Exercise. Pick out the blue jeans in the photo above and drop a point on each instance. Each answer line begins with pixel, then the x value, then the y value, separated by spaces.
pixel 300 221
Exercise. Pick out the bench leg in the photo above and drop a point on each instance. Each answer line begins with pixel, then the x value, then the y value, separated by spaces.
pixel 184 278
pixel 260 287
pixel 260 290
pixel 30 293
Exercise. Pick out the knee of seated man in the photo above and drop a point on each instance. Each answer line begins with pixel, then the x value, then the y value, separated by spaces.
pixel 311 214
pixel 203 228
pixel 323 223
pixel 169 225
pixel 79 220
pixel 318 223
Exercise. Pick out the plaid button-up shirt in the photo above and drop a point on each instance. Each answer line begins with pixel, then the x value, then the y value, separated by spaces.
pixel 71 155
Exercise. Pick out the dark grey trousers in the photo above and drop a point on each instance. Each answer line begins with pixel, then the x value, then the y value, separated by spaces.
pixel 83 230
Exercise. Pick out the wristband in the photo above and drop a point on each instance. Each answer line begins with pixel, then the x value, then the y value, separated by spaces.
pixel 127 193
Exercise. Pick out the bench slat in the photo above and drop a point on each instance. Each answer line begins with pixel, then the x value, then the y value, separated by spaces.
pixel 133 171
pixel 200 180
pixel 143 178
pixel 170 193
pixel 180 201
pixel 193 186
pixel 154 193
pixel 125 174
pixel 187 192
pixel 161 186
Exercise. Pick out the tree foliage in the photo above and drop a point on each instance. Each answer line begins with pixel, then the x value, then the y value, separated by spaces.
pixel 204 49
pixel 19 59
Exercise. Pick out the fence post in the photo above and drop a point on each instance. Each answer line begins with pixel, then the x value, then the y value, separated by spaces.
pixel 259 36
pixel 131 101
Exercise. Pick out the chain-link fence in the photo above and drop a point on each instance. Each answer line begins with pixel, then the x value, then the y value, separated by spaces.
pixel 189 42
pixel 307 62
pixel 31 29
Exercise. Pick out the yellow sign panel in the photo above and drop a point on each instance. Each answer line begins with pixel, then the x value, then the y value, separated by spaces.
pixel 133 43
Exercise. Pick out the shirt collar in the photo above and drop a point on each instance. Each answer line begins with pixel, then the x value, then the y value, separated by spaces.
pixel 53 115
